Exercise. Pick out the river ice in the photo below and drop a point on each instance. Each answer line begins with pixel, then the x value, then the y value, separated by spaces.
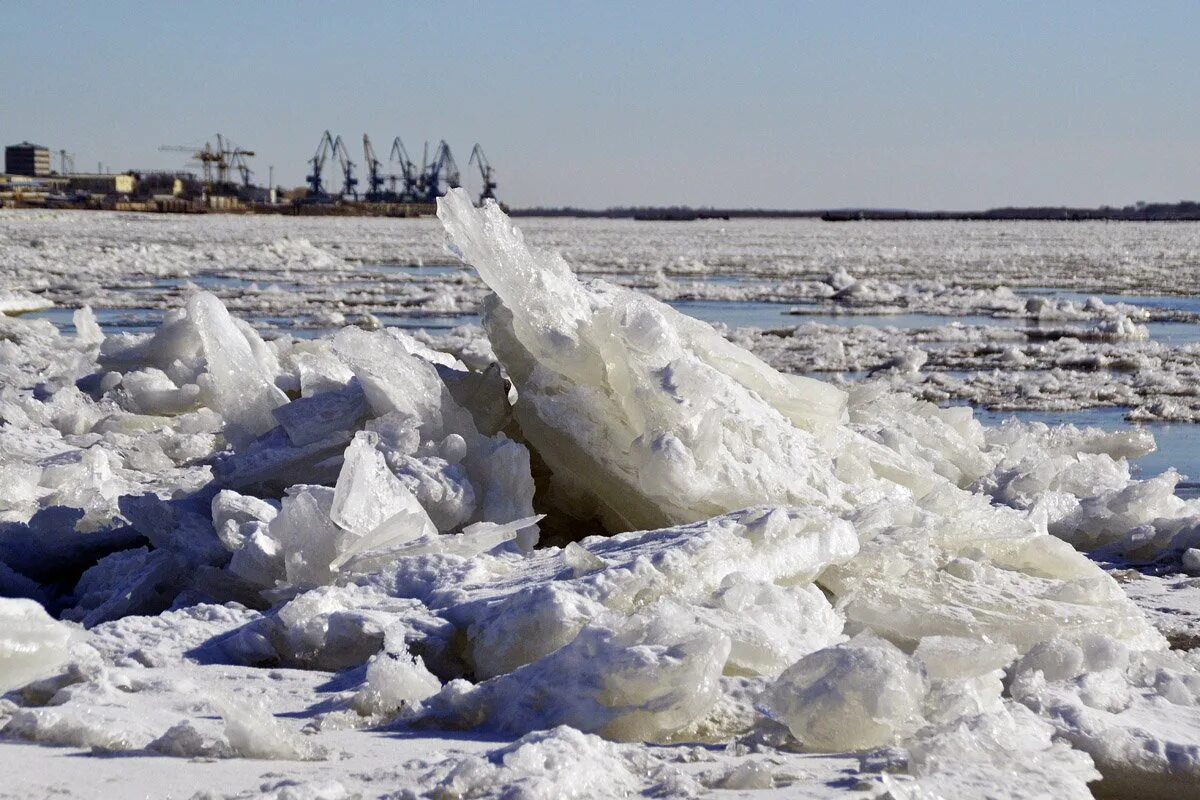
pixel 593 547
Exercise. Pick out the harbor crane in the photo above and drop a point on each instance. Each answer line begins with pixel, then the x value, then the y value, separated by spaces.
pixel 408 171
pixel 485 172
pixel 443 167
pixel 399 180
pixel 316 186
pixel 205 155
pixel 348 179
pixel 239 163
pixel 375 178
pixel 232 157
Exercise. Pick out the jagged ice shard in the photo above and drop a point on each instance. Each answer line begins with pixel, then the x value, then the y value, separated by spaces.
pixel 657 420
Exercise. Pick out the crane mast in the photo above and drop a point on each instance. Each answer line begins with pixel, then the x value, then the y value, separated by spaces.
pixel 453 177
pixel 423 175
pixel 349 182
pixel 443 167
pixel 485 172
pixel 316 186
pixel 408 172
pixel 375 178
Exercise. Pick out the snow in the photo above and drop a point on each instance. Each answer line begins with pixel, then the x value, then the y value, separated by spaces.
pixel 597 546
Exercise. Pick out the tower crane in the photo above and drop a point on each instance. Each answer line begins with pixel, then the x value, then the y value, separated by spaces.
pixel 205 155
pixel 408 171
pixel 222 161
pixel 316 187
pixel 485 172
pixel 375 178
pixel 348 179
pixel 216 162
pixel 233 156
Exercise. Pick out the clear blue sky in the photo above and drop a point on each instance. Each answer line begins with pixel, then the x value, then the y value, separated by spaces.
pixel 789 104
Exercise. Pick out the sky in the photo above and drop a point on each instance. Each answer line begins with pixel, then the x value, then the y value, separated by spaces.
pixel 932 105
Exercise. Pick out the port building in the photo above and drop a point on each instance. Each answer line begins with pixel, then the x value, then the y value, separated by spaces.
pixel 27 158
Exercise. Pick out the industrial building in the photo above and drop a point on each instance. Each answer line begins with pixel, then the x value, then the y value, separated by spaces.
pixel 102 183
pixel 27 158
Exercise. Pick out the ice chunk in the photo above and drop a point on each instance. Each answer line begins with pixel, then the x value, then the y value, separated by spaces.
pixel 652 414
pixel 338 627
pixel 395 682
pixel 309 539
pixel 722 568
pixel 1005 752
pixel 87 330
pixel 19 302
pixel 557 763
pixel 405 388
pixel 396 381
pixel 234 382
pixel 185 739
pixel 369 508
pixel 770 627
pixel 151 391
pixel 474 540
pixel 645 677
pixel 865 693
pixel 367 493
pixel 1136 715
pixel 137 581
pixel 253 732
pixel 316 416
pixel 371 503
pixel 231 510
pixel 32 643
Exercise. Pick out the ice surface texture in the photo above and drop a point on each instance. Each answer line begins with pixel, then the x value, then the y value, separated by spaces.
pixel 264 546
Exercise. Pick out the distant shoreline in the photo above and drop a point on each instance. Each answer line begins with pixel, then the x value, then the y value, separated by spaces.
pixel 1143 212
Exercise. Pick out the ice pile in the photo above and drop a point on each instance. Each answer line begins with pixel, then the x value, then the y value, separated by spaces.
pixel 730 554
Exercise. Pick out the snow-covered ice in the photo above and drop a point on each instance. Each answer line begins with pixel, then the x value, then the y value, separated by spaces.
pixel 595 547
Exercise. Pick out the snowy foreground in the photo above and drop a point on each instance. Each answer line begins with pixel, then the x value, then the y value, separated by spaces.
pixel 601 552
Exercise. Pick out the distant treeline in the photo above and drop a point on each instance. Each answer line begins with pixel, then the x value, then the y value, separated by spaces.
pixel 1140 212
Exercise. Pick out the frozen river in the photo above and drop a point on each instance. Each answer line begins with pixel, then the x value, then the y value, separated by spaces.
pixel 274 494
pixel 305 277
